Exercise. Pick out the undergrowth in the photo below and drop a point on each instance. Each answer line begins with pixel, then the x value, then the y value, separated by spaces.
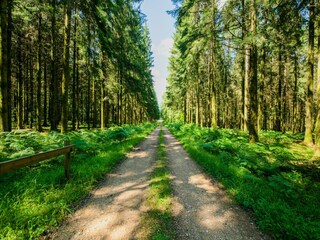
pixel 157 221
pixel 36 198
pixel 274 178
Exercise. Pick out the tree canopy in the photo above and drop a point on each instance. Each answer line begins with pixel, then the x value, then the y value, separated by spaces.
pixel 79 63
pixel 248 64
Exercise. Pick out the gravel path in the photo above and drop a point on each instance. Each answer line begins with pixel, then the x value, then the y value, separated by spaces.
pixel 115 208
pixel 201 208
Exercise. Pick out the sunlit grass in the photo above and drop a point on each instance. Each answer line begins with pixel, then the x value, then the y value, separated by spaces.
pixel 36 198
pixel 157 221
pixel 269 177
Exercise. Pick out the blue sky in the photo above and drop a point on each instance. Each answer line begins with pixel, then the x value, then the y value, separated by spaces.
pixel 161 26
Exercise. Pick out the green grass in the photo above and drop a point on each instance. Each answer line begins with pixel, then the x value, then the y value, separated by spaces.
pixel 274 178
pixel 157 221
pixel 36 198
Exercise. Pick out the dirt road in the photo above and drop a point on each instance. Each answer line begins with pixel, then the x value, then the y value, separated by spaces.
pixel 115 208
pixel 201 209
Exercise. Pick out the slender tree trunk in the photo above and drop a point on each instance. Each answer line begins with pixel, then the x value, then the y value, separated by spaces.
pixel 88 108
pixel 103 105
pixel 227 90
pixel 284 94
pixel 185 109
pixel 26 93
pixel 45 99
pixel 120 105
pixel 104 91
pixel 77 93
pixel 66 68
pixel 317 127
pixel 74 77
pixel 94 103
pixel 54 85
pixel 214 123
pixel 39 73
pixel 309 100
pixel 261 111
pixel 4 111
pixel 20 85
pixel 31 86
pixel 9 63
pixel 246 85
pixel 295 107
pixel 243 72
pixel 198 105
pixel 279 97
pixel 253 80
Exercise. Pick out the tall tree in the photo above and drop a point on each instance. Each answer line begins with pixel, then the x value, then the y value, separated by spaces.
pixel 54 84
pixel 309 100
pixel 66 67
pixel 317 127
pixel 39 70
pixel 4 104
pixel 252 75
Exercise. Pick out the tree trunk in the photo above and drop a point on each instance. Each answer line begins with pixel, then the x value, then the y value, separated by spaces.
pixel 261 117
pixel 317 127
pixel 309 99
pixel 243 71
pixel 94 103
pixel 20 86
pixel 88 107
pixel 54 85
pixel 26 93
pixel 295 107
pixel 213 102
pixel 253 79
pixel 284 94
pixel 74 77
pixel 45 99
pixel 39 73
pixel 66 68
pixel 77 93
pixel 198 105
pixel 4 111
pixel 104 91
pixel 31 109
pixel 9 68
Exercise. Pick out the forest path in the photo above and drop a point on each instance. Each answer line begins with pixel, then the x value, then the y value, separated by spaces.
pixel 201 209
pixel 115 208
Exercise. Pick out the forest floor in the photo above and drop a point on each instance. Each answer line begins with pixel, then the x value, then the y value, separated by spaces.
pixel 201 209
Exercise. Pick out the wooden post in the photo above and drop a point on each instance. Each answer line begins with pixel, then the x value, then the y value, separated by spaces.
pixel 67 161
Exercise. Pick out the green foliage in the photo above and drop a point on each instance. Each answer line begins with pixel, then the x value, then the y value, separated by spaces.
pixel 36 198
pixel 266 177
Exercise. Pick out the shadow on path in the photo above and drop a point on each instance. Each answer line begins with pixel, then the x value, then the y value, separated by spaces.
pixel 115 208
pixel 201 208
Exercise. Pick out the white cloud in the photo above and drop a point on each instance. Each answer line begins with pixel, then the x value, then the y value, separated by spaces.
pixel 160 84
pixel 161 52
pixel 156 73
pixel 164 48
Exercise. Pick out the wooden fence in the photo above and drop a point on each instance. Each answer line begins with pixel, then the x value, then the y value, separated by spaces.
pixel 11 165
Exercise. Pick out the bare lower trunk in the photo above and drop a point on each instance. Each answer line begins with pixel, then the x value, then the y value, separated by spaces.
pixel 66 69
pixel 309 98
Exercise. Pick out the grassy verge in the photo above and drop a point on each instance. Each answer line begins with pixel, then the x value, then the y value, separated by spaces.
pixel 157 222
pixel 275 178
pixel 36 198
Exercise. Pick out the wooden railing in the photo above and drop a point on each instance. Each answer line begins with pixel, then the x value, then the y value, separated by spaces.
pixel 11 165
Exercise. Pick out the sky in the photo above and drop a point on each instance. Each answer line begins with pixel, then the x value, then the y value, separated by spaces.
pixel 161 26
